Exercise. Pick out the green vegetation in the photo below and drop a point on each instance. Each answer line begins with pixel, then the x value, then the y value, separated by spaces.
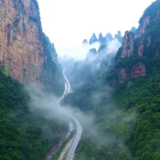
pixel 53 79
pixel 6 70
pixel 23 135
pixel 128 114
pixel 140 135
pixel 151 11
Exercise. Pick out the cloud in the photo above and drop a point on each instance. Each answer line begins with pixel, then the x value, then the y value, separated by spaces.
pixel 44 104
pixel 110 51
pixel 69 22
pixel 77 52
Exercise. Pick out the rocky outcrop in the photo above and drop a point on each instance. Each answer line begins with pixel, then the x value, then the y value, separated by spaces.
pixel 144 48
pixel 25 54
pixel 140 49
pixel 21 50
pixel 138 70
pixel 127 46
pixel 145 22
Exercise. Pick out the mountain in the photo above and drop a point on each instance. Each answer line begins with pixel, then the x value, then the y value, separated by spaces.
pixel 85 41
pixel 118 36
pixel 142 51
pixel 103 40
pixel 109 37
pixel 96 60
pixel 93 39
pixel 23 46
pixel 124 99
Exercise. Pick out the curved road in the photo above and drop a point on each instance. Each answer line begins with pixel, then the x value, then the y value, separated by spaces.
pixel 77 138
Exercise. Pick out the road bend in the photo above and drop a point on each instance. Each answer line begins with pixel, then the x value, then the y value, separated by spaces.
pixel 78 134
pixel 77 137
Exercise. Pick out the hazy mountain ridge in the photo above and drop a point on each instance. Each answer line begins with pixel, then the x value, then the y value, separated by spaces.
pixel 96 61
pixel 103 39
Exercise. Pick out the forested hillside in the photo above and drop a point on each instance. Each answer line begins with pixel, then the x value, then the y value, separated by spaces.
pixel 23 135
pixel 125 99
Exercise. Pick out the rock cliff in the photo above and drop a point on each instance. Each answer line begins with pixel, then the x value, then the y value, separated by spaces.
pixel 142 26
pixel 140 51
pixel 21 50
pixel 126 54
pixel 22 47
pixel 127 46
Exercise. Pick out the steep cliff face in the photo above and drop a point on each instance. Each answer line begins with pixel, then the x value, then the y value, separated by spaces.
pixel 139 54
pixel 22 48
pixel 140 49
pixel 142 26
pixel 127 46
pixel 138 70
pixel 128 67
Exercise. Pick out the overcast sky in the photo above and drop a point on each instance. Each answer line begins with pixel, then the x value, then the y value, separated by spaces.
pixel 68 22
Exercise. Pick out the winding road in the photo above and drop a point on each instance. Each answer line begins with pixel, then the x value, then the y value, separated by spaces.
pixel 78 134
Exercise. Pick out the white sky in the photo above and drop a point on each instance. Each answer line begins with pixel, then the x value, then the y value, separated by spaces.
pixel 68 22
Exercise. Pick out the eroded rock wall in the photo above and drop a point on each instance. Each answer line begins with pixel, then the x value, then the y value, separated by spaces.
pixel 21 50
pixel 128 44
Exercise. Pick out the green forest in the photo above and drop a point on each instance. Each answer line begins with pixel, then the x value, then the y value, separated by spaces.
pixel 126 124
pixel 22 136
pixel 135 126
pixel 128 114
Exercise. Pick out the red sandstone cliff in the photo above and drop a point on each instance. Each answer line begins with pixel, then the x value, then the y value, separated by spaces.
pixel 21 50
pixel 127 46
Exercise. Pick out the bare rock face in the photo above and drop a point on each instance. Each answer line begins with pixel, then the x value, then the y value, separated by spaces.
pixel 21 50
pixel 128 43
pixel 140 49
pixel 142 27
pixel 138 70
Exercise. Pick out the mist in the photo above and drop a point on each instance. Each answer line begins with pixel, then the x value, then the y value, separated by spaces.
pixel 47 105
pixel 107 130
pixel 76 52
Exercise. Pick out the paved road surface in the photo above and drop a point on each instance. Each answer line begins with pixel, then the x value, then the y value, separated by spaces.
pixel 78 134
